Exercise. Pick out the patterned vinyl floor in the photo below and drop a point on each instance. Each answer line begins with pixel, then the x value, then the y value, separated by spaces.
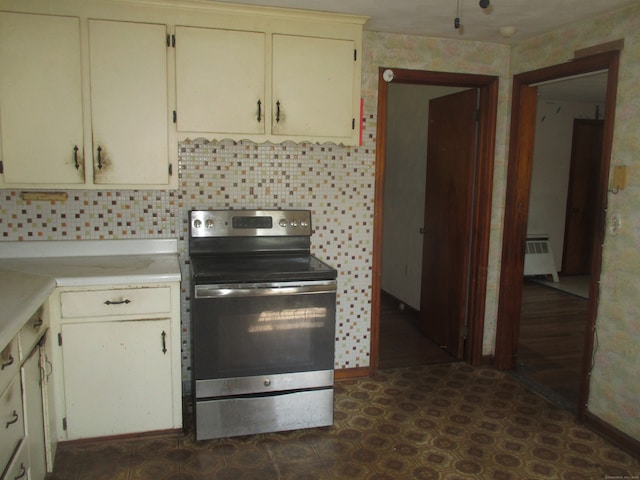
pixel 449 421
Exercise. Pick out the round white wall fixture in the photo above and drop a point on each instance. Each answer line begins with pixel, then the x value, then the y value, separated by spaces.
pixel 387 75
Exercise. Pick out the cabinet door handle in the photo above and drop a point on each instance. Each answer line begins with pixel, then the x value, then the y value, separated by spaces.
pixel 38 323
pixel 99 157
pixel 75 157
pixel 259 111
pixel 23 472
pixel 15 418
pixel 164 342
pixel 278 111
pixel 119 302
pixel 8 362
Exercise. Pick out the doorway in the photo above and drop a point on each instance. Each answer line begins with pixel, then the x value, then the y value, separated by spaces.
pixel 482 187
pixel 519 175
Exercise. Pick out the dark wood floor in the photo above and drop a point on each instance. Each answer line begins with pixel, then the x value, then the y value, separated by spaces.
pixel 402 344
pixel 550 348
pixel 552 330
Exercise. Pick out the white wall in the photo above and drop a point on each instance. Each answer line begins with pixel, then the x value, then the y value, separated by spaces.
pixel 404 190
pixel 551 162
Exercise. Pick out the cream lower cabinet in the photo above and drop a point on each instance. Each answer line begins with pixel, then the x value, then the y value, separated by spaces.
pixel 32 380
pixel 119 357
pixel 26 450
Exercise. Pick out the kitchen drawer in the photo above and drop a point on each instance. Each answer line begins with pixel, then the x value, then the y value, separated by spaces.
pixel 31 333
pixel 19 466
pixel 11 421
pixel 126 301
pixel 9 363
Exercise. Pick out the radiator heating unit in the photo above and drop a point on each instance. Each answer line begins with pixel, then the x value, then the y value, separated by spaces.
pixel 538 257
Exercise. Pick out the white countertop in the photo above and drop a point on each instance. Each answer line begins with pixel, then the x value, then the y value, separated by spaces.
pixel 31 270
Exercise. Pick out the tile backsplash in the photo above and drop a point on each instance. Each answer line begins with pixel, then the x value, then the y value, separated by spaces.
pixel 336 183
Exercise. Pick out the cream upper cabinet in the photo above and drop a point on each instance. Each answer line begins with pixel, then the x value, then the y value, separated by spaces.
pixel 84 103
pixel 220 81
pixel 129 104
pixel 276 80
pixel 313 87
pixel 41 99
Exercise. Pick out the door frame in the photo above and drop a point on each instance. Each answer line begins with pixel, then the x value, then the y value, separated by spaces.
pixel 483 190
pixel 517 206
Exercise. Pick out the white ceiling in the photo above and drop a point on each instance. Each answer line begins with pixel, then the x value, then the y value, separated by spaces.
pixel 435 18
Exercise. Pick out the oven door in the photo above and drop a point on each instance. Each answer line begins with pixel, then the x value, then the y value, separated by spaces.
pixel 264 329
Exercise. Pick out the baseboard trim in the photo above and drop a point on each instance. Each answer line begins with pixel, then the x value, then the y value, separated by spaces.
pixel 611 433
pixel 347 373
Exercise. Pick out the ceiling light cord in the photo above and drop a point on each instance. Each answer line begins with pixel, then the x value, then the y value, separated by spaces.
pixel 457 23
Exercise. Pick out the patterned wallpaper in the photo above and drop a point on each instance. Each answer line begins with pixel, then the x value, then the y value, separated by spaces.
pixel 614 389
pixel 337 184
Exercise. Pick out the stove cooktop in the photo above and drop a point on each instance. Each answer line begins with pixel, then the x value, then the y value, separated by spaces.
pixel 259 268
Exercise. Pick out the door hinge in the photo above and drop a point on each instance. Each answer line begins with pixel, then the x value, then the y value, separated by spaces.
pixel 171 41
pixel 1 166
pixel 170 169
pixel 60 339
pixel 64 423
pixel 464 332
pixel 355 55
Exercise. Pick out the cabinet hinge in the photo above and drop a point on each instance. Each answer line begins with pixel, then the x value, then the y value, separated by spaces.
pixel 171 41
pixel 64 423
pixel 1 167
pixel 175 116
pixel 355 55
pixel 464 332
pixel 170 169
pixel 60 339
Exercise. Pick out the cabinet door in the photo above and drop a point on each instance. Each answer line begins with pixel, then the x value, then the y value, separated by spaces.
pixel 34 414
pixel 220 80
pixel 41 99
pixel 129 103
pixel 313 83
pixel 117 377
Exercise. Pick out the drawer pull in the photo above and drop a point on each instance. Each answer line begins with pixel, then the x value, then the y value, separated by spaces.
pixel 8 362
pixel 15 418
pixel 121 302
pixel 23 472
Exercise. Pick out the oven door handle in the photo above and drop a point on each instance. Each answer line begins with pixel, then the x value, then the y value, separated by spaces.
pixel 264 289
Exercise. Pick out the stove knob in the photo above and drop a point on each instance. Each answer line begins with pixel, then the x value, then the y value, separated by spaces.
pixel 294 223
pixel 208 223
pixel 304 224
pixel 283 222
pixel 197 223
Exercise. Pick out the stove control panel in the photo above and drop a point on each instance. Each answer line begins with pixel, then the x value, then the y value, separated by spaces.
pixel 249 223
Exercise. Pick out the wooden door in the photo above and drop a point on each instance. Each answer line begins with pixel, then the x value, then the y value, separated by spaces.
pixel 586 155
pixel 451 152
